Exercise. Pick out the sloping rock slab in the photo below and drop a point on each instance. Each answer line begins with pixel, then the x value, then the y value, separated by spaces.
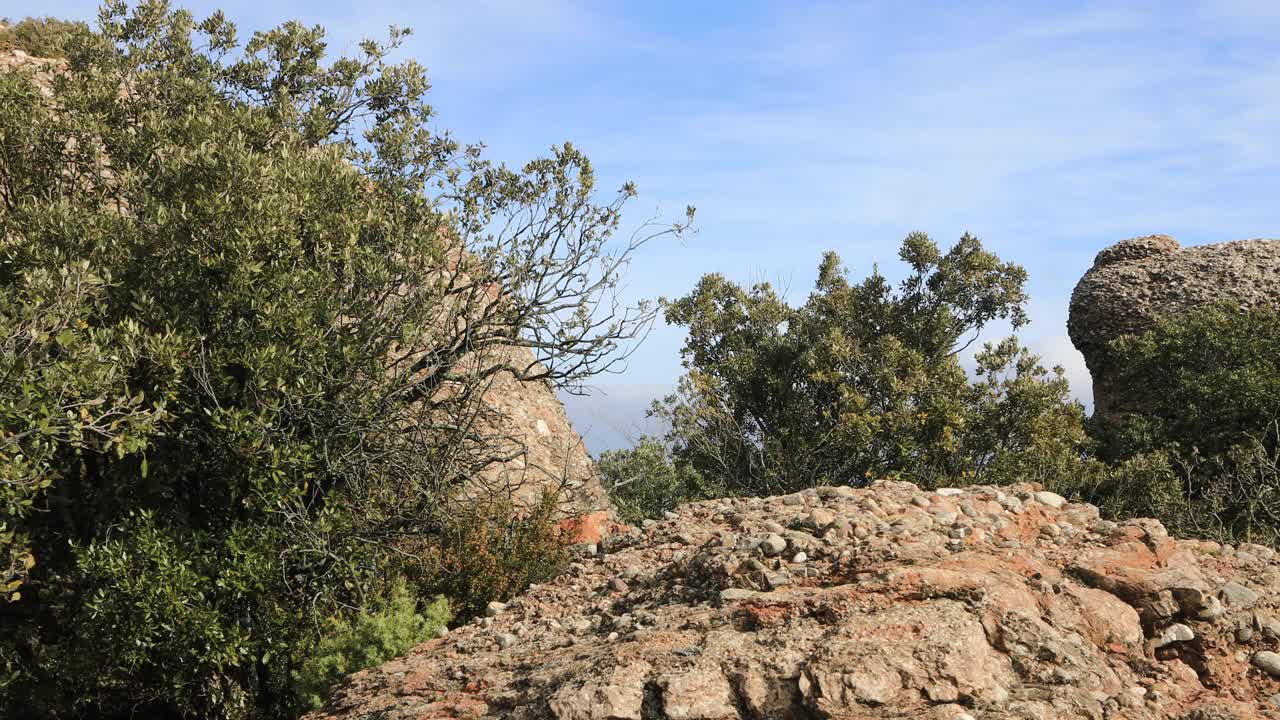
pixel 888 602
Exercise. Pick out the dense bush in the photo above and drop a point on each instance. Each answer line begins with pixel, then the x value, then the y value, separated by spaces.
pixel 1208 379
pixel 250 302
pixel 645 481
pixel 41 37
pixel 485 551
pixel 865 381
pixel 1198 443
pixel 370 638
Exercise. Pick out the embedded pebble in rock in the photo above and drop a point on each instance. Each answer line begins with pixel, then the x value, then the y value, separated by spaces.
pixel 1268 662
pixel 1238 596
pixel 1175 633
pixel 966 606
pixel 773 545
pixel 1053 500
pixel 820 519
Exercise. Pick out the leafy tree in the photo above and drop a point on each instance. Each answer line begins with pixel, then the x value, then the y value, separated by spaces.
pixel 645 481
pixel 250 303
pixel 864 380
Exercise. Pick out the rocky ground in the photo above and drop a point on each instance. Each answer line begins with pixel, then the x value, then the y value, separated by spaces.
pixel 885 602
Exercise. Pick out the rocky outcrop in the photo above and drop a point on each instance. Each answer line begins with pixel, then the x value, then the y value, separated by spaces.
pixel 41 70
pixel 885 602
pixel 1134 281
pixel 548 454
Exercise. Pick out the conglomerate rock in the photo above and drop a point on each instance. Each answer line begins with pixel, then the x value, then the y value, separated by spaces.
pixel 884 602
pixel 551 455
pixel 1136 280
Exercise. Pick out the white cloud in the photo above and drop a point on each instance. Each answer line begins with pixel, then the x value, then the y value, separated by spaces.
pixel 1058 350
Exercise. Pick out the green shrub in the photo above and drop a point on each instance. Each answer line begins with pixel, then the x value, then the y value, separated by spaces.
pixel 646 482
pixel 1232 497
pixel 1208 379
pixel 367 640
pixel 237 286
pixel 41 37
pixel 487 550
pixel 863 380
pixel 1197 443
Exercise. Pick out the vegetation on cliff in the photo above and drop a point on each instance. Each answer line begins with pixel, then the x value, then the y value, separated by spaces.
pixel 250 305
pixel 1200 448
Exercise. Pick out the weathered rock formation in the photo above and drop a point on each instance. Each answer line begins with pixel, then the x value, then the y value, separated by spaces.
pixel 42 70
pixel 885 602
pixel 552 455
pixel 1134 281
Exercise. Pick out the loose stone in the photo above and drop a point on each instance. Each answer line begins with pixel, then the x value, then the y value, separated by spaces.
pixel 1053 500
pixel 1175 633
pixel 736 594
pixel 1238 596
pixel 773 545
pixel 1268 662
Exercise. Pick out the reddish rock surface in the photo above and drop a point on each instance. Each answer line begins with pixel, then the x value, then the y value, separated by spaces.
pixel 549 454
pixel 982 603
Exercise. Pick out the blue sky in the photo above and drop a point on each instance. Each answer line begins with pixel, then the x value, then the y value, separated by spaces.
pixel 1050 130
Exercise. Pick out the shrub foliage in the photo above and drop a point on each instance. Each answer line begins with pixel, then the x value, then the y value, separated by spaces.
pixel 250 301
pixel 645 482
pixel 1199 447
pixel 367 640
pixel 864 380
pixel 41 37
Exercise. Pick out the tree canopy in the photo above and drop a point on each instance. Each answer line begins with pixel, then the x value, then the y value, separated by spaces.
pixel 864 379
pixel 250 301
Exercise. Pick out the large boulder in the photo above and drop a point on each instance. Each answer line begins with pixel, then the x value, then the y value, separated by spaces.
pixel 1136 280
pixel 884 602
